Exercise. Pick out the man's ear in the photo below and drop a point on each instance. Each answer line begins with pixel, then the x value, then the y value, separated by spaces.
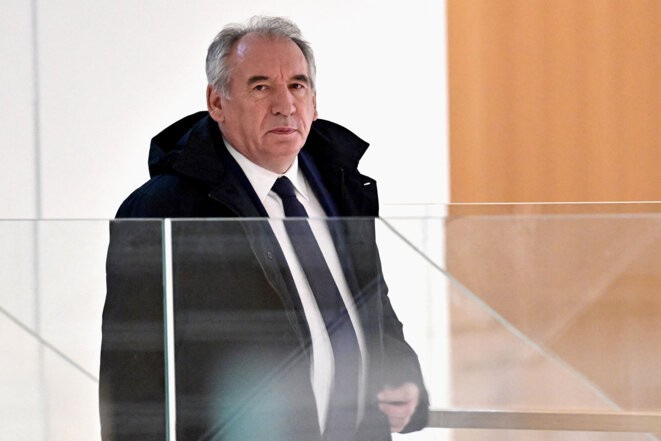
pixel 314 105
pixel 214 104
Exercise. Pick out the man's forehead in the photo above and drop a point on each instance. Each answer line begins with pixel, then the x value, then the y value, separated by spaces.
pixel 264 49
pixel 250 41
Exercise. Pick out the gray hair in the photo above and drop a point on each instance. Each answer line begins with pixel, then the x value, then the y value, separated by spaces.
pixel 217 66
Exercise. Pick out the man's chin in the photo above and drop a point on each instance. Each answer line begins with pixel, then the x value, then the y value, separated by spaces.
pixel 285 147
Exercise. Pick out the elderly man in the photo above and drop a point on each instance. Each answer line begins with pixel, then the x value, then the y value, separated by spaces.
pixel 283 329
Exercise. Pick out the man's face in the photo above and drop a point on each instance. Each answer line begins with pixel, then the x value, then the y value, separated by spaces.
pixel 271 104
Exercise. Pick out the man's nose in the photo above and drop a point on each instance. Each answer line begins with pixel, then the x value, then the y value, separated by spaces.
pixel 283 102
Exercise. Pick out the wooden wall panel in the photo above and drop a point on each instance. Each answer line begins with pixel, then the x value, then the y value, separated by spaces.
pixel 554 100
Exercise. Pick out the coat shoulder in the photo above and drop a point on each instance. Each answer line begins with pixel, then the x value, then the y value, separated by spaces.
pixel 165 195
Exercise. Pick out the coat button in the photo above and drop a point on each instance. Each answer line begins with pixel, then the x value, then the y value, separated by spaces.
pixel 269 255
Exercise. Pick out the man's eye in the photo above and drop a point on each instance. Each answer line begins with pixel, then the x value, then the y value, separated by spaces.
pixel 260 87
pixel 297 86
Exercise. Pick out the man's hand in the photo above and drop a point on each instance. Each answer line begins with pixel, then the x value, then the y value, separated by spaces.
pixel 398 404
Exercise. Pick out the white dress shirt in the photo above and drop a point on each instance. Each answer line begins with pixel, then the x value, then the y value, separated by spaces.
pixel 322 367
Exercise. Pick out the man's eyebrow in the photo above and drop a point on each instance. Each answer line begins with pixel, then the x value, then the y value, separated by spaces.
pixel 302 78
pixel 257 79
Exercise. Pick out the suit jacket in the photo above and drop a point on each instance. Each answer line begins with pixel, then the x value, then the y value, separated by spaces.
pixel 242 342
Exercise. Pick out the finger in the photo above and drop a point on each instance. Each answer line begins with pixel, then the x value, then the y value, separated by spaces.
pixel 398 424
pixel 397 428
pixel 397 411
pixel 398 416
pixel 403 393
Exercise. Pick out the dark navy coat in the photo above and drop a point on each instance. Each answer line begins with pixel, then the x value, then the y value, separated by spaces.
pixel 242 342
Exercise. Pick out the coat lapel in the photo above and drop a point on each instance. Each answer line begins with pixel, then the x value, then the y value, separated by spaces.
pixel 236 193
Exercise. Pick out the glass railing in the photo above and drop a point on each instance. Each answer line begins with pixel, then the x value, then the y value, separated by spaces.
pixel 529 322
pixel 53 284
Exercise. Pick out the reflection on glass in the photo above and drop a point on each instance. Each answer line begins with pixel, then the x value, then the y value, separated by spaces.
pixel 579 289
pixel 526 310
pixel 249 352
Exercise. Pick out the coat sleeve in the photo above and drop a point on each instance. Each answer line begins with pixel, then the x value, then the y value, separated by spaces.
pixel 402 365
pixel 400 362
pixel 392 360
pixel 131 380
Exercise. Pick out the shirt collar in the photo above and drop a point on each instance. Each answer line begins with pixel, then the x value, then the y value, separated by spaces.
pixel 262 180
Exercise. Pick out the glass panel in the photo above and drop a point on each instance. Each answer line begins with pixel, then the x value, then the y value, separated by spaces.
pixel 53 279
pixel 514 309
pixel 473 356
pixel 50 351
pixel 545 307
pixel 258 346
pixel 579 289
pixel 132 385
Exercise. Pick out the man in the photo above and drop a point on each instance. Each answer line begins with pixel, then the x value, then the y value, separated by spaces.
pixel 283 329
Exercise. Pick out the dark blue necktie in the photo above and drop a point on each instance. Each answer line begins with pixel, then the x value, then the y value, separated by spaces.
pixel 342 411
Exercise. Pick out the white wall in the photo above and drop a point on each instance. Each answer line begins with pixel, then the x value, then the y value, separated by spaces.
pixel 17 124
pixel 111 74
pixel 85 85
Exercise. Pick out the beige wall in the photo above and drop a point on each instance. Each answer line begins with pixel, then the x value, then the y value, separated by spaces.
pixel 554 100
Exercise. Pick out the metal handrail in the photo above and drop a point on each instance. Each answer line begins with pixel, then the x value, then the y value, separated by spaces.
pixel 560 421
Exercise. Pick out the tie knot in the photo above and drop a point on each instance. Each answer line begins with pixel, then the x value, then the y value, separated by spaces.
pixel 284 188
pixel 292 206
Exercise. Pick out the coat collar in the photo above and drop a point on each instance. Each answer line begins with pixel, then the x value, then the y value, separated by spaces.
pixel 193 147
pixel 196 152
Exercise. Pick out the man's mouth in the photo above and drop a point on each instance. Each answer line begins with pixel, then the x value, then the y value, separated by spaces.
pixel 282 130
